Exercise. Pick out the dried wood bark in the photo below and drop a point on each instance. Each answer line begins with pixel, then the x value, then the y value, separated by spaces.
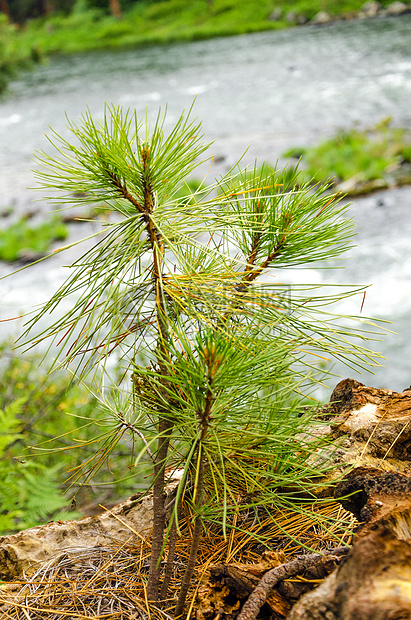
pixel 376 423
pixel 26 550
pixel 374 582
pixel 230 584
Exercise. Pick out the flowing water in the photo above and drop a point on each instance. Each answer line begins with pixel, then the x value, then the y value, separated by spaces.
pixel 269 90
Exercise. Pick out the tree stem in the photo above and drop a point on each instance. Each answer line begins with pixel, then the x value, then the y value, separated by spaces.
pixel 159 511
pixel 195 542
pixel 172 539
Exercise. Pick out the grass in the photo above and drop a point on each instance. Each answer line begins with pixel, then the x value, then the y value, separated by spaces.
pixel 15 52
pixel 159 22
pixel 22 239
pixel 360 160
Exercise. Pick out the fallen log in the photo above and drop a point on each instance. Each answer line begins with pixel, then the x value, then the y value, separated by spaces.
pixel 375 424
pixel 26 550
pixel 298 566
pixel 375 428
pixel 374 581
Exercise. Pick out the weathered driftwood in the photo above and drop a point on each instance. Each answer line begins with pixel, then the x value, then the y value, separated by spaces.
pixel 25 551
pixel 298 566
pixel 375 426
pixel 252 588
pixel 378 499
pixel 374 582
pixel 231 584
pixel 375 423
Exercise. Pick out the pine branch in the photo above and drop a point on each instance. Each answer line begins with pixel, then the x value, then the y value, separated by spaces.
pixel 251 275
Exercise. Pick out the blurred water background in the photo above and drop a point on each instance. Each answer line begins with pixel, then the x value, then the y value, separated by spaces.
pixel 266 91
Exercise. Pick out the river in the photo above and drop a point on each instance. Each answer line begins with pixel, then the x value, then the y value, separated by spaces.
pixel 266 91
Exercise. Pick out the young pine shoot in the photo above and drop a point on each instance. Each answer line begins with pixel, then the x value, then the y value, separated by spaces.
pixel 190 297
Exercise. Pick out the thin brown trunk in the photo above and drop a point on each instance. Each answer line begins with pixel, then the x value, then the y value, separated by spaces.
pixel 4 7
pixel 172 539
pixel 165 425
pixel 115 8
pixel 159 511
pixel 195 543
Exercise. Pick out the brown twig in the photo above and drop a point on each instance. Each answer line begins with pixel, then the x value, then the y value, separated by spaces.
pixel 285 571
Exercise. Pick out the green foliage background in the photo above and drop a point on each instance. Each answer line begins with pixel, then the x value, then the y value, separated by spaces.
pixel 22 237
pixel 36 466
pixel 370 154
pixel 66 26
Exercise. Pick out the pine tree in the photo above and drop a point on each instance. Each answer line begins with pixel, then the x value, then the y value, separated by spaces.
pixel 186 294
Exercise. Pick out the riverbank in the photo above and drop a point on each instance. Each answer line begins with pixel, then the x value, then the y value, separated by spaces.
pixel 167 21
pixel 271 90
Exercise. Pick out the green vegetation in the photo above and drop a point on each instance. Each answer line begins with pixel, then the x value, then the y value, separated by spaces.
pixel 82 26
pixel 15 52
pixel 36 467
pixel 23 240
pixel 218 354
pixel 362 160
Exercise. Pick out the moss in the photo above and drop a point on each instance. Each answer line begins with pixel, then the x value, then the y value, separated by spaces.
pixel 23 239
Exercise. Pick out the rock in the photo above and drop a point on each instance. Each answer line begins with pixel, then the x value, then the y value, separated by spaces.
pixel 276 14
pixel 321 18
pixel 24 551
pixel 356 185
pixel 370 9
pixel 401 175
pixel 397 8
pixel 293 18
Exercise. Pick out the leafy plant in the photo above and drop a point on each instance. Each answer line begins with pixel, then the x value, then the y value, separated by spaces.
pixel 21 237
pixel 36 464
pixel 191 298
pixel 28 493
